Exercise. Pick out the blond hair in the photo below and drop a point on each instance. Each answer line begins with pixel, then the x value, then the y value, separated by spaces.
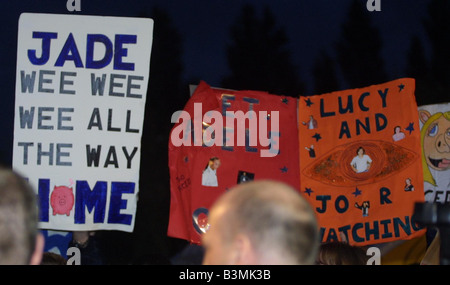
pixel 18 219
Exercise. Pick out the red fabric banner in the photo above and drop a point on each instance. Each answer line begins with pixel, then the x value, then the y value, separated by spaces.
pixel 223 138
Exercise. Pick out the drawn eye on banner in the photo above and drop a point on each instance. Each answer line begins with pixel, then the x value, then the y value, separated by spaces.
pixel 360 161
pixel 435 137
pixel 81 88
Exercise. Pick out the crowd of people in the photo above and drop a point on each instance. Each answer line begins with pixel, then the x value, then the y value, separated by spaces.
pixel 255 223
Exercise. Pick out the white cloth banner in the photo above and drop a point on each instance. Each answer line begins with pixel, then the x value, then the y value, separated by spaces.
pixel 81 88
pixel 435 136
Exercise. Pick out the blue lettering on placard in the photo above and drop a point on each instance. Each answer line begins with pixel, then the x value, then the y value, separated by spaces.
pixel 120 51
pixel 349 108
pixel 46 39
pixel 383 95
pixel 43 196
pixel 363 107
pixel 406 226
pixel 355 235
pixel 380 126
pixel 324 199
pixel 332 235
pixel 372 231
pixel 115 52
pixel 117 203
pixel 69 52
pixel 387 233
pixel 323 113
pixel 337 205
pixel 226 98
pixel 97 64
pixel 384 193
pixel 365 126
pixel 274 147
pixel 90 199
pixel 247 142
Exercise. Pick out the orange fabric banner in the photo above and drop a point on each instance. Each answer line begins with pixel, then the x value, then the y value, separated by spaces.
pixel 360 162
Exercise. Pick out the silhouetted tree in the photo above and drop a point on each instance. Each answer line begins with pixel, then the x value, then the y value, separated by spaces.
pixel 358 50
pixel 324 72
pixel 437 26
pixel 258 57
pixel 417 68
pixel 165 95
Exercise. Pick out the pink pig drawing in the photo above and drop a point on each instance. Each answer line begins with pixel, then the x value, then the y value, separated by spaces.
pixel 62 200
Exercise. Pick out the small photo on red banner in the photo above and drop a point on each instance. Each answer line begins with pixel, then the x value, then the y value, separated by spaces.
pixel 360 162
pixel 223 138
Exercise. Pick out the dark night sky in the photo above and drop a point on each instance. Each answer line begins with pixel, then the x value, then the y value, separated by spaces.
pixel 204 25
pixel 311 25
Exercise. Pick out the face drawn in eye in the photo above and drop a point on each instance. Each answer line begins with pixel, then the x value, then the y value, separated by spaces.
pixel 334 167
pixel 433 130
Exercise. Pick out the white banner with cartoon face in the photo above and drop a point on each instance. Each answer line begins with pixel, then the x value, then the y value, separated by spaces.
pixel 81 86
pixel 435 136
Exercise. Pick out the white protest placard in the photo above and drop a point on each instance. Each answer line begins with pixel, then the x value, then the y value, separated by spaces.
pixel 81 85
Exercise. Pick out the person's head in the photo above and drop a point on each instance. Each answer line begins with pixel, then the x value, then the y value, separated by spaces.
pixel 361 151
pixel 341 253
pixel 408 181
pixel 20 240
pixel 214 163
pixel 397 129
pixel 261 222
pixel 50 258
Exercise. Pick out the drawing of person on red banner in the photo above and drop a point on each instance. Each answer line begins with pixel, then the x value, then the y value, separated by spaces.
pixel 209 176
